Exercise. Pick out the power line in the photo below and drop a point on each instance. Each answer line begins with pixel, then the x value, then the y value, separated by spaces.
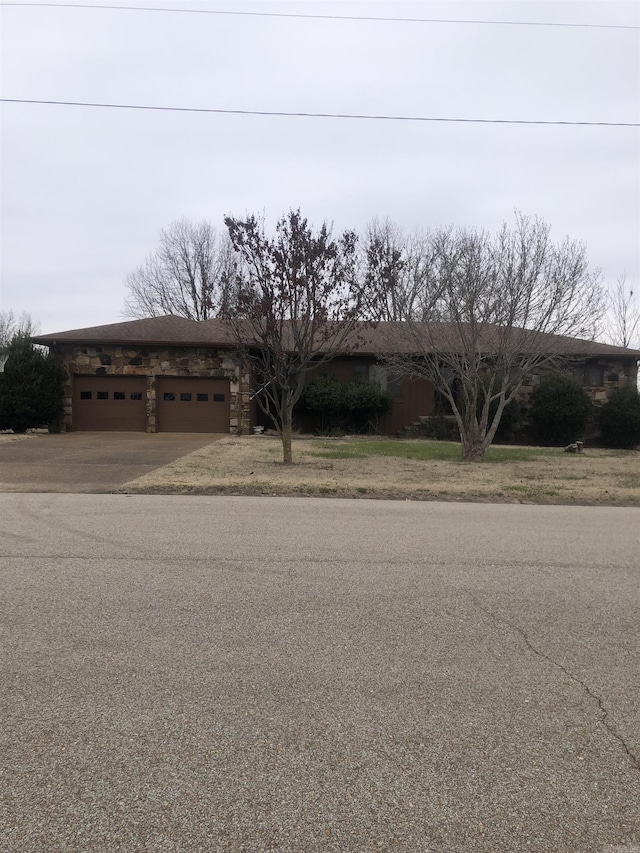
pixel 324 17
pixel 282 113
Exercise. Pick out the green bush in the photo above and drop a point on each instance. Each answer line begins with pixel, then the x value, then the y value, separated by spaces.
pixel 620 419
pixel 31 388
pixel 322 397
pixel 348 407
pixel 560 410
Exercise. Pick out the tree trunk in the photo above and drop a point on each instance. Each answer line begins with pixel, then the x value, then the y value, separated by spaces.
pixel 477 435
pixel 285 435
pixel 473 443
pixel 473 451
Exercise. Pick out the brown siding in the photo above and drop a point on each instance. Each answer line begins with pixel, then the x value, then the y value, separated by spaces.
pixel 415 399
pixel 346 368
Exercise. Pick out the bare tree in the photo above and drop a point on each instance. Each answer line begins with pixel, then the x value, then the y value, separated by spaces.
pixel 299 304
pixel 11 326
pixel 495 306
pixel 623 316
pixel 190 274
pixel 397 267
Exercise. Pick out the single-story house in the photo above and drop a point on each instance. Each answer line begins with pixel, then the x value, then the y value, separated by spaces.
pixel 172 374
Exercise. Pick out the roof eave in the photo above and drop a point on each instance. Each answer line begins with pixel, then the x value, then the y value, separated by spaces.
pixel 126 342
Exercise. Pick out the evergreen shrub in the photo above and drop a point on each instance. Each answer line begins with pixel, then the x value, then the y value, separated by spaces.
pixel 620 419
pixel 347 407
pixel 31 388
pixel 560 409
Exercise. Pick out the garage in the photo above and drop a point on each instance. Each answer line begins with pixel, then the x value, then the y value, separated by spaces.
pixel 110 403
pixel 187 404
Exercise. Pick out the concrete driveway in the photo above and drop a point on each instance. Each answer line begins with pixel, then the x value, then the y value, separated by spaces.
pixel 236 675
pixel 89 461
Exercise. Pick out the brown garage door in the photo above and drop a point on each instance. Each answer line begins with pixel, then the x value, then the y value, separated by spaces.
pixel 185 404
pixel 110 403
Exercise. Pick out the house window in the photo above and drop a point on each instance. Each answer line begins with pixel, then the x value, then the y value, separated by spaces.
pixel 202 398
pixel 361 372
pixel 185 397
pixel 136 395
pixel 102 395
pixel 85 395
pixel 119 395
pixel 589 375
pixel 394 387
pixel 169 397
pixel 379 374
pixel 593 375
pixel 218 398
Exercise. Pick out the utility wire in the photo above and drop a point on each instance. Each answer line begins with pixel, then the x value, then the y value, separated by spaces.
pixel 324 17
pixel 318 115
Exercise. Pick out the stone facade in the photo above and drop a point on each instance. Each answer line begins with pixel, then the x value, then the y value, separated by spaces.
pixel 153 361
pixel 599 377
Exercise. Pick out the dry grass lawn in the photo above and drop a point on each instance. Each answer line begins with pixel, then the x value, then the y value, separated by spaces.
pixel 410 470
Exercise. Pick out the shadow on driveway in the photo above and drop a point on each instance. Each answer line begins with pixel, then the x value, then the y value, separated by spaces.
pixel 89 461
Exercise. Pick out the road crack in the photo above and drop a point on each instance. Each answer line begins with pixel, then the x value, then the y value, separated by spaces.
pixel 604 713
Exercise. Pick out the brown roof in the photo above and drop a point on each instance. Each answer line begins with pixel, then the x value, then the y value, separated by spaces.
pixel 167 330
pixel 438 337
pixel 367 339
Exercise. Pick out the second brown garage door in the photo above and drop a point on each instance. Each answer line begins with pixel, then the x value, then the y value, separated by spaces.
pixel 192 405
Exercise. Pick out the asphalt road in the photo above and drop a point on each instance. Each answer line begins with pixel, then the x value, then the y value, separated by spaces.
pixel 253 674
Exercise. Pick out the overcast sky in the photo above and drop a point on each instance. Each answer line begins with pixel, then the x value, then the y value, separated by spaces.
pixel 85 191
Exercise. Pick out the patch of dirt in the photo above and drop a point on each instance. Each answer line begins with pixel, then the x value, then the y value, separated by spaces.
pixel 251 465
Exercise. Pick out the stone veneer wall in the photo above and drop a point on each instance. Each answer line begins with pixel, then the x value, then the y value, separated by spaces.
pixel 110 360
pixel 616 373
